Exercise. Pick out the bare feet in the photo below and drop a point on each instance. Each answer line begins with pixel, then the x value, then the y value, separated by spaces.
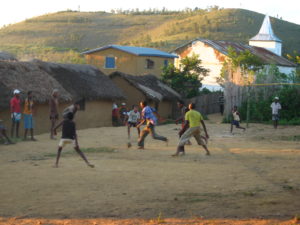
pixel 91 165
pixel 141 147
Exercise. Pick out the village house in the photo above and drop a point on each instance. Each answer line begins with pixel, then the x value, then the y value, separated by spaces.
pixel 150 88
pixel 129 59
pixel 73 82
pixel 265 45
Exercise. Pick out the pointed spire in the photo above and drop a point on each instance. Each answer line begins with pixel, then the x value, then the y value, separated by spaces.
pixel 266 32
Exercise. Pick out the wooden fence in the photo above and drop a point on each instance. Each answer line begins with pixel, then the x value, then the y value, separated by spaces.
pixel 206 104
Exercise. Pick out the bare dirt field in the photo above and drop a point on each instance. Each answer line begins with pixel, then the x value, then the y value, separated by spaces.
pixel 252 177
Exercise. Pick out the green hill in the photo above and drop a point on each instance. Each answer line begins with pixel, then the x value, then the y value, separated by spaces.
pixel 61 36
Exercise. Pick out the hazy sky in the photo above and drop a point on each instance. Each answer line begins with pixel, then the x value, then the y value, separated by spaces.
pixel 12 11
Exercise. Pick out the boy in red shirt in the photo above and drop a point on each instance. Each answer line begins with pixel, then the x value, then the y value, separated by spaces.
pixel 15 109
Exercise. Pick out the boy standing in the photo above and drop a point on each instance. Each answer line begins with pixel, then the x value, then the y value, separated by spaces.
pixel 28 118
pixel 193 118
pixel 53 106
pixel 149 117
pixel 276 107
pixel 15 109
pixel 133 118
pixel 236 119
pixel 69 136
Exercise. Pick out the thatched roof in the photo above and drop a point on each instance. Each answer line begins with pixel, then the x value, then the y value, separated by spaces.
pixel 7 56
pixel 27 76
pixel 150 85
pixel 82 81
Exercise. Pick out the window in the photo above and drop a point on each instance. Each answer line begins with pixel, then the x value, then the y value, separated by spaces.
pixel 110 62
pixel 149 64
pixel 166 63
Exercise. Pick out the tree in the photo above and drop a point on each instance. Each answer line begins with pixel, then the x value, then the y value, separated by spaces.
pixel 186 80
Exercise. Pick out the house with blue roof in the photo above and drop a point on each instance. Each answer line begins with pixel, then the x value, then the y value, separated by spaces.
pixel 129 59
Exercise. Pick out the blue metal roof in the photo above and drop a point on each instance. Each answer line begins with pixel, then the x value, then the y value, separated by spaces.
pixel 140 51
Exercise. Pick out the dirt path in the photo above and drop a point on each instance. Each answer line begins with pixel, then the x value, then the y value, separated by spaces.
pixel 249 175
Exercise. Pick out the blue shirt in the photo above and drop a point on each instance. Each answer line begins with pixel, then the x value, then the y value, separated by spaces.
pixel 147 114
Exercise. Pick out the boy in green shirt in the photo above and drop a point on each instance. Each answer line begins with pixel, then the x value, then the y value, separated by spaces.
pixel 193 119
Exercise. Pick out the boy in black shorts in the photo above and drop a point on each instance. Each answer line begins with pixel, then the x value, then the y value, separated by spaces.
pixel 69 136
pixel 236 119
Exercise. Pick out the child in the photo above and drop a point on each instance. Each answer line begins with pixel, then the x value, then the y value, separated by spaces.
pixel 69 136
pixel 133 119
pixel 236 119
pixel 3 134
pixel 28 116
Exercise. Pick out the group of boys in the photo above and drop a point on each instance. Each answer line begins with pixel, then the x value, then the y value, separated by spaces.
pixel 16 116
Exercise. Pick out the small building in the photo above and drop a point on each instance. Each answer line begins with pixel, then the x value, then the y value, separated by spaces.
pixel 72 81
pixel 150 88
pixel 129 59
pixel 265 45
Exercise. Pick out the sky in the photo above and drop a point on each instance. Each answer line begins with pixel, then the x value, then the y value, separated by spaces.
pixel 12 11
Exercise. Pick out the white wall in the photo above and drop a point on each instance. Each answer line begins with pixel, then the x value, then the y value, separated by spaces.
pixel 272 46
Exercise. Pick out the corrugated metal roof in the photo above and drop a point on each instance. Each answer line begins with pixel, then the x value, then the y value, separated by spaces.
pixel 266 32
pixel 140 51
pixel 265 55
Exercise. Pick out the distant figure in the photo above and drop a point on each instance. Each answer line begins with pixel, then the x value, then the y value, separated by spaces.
pixel 276 107
pixel 236 119
pixel 151 120
pixel 3 134
pixel 221 103
pixel 28 116
pixel 132 121
pixel 194 119
pixel 69 136
pixel 53 105
pixel 123 113
pixel 115 115
pixel 15 109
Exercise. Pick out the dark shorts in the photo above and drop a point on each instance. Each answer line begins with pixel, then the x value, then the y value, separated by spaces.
pixel 52 117
pixel 235 123
pixel 132 124
pixel 275 117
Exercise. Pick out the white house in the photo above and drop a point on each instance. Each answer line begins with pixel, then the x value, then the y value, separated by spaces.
pixel 265 45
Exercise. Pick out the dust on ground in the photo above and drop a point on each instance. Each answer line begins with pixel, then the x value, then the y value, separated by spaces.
pixel 252 177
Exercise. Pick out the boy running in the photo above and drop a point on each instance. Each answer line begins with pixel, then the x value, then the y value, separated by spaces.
pixel 69 136
pixel 149 117
pixel 133 119
pixel 193 118
pixel 53 106
pixel 236 119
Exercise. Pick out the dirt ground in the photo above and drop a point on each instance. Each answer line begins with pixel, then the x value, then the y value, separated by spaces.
pixel 252 177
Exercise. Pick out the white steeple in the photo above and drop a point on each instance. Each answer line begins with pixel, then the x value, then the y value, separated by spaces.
pixel 266 38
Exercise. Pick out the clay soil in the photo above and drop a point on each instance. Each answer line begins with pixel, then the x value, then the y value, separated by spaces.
pixel 251 177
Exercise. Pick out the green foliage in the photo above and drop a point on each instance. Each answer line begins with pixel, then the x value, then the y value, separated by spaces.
pixel 163 29
pixel 186 80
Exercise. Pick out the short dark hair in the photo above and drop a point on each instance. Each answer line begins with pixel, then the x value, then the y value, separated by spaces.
pixel 180 102
pixel 70 115
pixel 193 105
pixel 145 103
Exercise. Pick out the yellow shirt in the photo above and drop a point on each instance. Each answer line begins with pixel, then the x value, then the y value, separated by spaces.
pixel 28 107
pixel 194 118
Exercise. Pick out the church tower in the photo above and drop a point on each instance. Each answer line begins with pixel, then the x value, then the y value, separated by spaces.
pixel 266 38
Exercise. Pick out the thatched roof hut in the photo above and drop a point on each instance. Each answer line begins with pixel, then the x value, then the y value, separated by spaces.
pixel 150 85
pixel 27 76
pixel 7 56
pixel 82 81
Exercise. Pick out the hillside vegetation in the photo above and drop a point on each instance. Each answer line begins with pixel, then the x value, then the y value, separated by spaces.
pixel 62 36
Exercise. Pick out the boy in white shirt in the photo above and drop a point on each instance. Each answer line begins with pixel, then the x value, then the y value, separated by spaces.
pixel 236 119
pixel 275 111
pixel 133 119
